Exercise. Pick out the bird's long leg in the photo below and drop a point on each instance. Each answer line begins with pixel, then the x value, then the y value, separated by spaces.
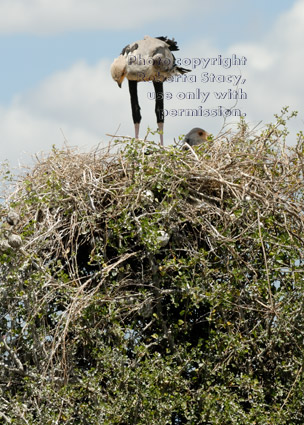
pixel 159 107
pixel 161 132
pixel 135 106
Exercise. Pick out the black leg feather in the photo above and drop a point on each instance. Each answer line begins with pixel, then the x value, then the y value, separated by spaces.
pixel 134 102
pixel 159 101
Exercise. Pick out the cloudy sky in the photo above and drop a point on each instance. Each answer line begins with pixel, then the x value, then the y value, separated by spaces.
pixel 55 83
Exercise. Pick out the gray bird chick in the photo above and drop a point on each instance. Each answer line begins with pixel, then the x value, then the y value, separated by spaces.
pixel 12 218
pixel 14 241
pixel 4 245
pixel 196 136
pixel 162 238
pixel 147 196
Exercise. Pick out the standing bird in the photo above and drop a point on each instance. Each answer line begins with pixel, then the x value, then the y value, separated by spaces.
pixel 196 136
pixel 149 59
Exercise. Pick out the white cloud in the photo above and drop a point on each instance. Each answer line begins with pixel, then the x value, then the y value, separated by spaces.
pixel 55 16
pixel 274 71
pixel 82 102
pixel 289 29
pixel 76 95
pixel 24 134
pixel 48 17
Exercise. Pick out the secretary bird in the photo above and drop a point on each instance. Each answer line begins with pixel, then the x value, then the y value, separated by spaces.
pixel 149 59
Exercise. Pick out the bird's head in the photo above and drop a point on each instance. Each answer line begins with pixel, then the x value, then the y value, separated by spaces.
pixel 196 136
pixel 118 70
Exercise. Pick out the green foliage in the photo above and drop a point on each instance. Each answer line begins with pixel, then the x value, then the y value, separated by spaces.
pixel 157 286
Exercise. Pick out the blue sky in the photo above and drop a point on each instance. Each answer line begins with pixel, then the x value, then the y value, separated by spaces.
pixel 54 76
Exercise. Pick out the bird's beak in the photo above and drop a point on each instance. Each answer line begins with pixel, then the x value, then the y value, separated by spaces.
pixel 119 82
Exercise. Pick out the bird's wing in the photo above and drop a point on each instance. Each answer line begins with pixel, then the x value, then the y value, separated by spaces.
pixel 172 44
pixel 150 58
pixel 158 50
pixel 129 48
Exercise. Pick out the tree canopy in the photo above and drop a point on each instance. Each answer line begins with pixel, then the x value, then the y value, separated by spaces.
pixel 156 285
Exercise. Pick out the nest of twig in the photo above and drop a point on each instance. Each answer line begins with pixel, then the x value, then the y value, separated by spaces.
pixel 108 225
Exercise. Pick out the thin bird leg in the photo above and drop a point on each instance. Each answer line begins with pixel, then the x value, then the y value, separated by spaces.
pixel 135 106
pixel 161 132
pixel 136 126
pixel 159 107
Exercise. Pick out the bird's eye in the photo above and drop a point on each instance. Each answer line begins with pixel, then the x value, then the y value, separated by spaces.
pixel 200 133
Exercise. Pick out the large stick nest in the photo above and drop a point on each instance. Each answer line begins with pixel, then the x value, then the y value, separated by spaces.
pixel 110 224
